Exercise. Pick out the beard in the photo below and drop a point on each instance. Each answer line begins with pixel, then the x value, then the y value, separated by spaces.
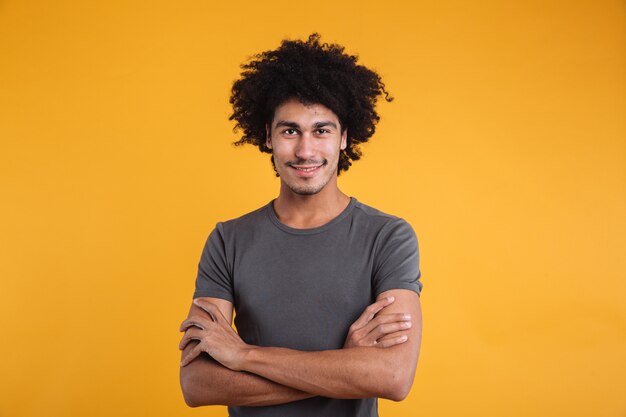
pixel 308 189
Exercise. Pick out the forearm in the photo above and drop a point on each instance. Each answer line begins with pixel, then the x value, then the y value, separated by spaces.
pixel 360 372
pixel 206 382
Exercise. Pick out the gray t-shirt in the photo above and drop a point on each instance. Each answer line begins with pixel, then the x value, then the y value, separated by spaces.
pixel 303 288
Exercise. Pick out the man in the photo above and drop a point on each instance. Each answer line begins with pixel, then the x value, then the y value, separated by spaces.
pixel 325 288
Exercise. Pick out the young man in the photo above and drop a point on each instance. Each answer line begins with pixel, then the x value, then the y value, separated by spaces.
pixel 326 289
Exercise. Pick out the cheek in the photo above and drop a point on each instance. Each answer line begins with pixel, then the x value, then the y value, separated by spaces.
pixel 281 155
pixel 332 151
pixel 282 148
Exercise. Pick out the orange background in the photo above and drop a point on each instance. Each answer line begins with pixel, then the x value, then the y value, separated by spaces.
pixel 505 149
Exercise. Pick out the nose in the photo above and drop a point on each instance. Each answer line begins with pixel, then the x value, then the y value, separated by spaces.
pixel 305 149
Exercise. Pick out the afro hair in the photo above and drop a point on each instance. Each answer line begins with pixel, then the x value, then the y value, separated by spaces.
pixel 313 73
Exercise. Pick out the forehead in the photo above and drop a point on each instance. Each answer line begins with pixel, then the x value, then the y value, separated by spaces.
pixel 294 110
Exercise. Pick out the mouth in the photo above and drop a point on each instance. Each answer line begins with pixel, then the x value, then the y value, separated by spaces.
pixel 306 170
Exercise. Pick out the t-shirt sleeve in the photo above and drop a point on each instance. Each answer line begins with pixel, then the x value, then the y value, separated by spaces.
pixel 214 278
pixel 396 264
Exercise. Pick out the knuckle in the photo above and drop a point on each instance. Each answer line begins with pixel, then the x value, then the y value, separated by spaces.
pixel 360 342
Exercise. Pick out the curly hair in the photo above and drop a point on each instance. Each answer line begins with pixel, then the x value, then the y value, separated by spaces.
pixel 313 73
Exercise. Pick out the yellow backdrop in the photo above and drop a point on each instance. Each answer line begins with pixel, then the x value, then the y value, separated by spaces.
pixel 505 149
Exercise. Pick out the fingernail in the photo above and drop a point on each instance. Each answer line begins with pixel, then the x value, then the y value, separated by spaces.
pixel 406 324
pixel 407 317
pixel 390 298
pixel 403 338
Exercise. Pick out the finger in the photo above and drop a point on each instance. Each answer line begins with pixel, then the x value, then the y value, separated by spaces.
pixel 201 321
pixel 383 319
pixel 390 318
pixel 193 354
pixel 215 313
pixel 210 308
pixel 184 342
pixel 190 323
pixel 392 341
pixel 191 334
pixel 385 329
pixel 371 310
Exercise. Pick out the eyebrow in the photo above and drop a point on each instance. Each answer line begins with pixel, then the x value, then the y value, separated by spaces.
pixel 316 125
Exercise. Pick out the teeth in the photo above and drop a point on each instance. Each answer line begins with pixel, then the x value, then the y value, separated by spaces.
pixel 306 169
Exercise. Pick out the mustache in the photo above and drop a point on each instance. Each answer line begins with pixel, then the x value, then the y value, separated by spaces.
pixel 307 162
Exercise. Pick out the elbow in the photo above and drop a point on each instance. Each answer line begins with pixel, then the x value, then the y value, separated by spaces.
pixel 399 385
pixel 188 390
pixel 192 388
pixel 190 401
pixel 399 392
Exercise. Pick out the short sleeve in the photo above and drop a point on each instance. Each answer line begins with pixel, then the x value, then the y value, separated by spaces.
pixel 214 278
pixel 396 262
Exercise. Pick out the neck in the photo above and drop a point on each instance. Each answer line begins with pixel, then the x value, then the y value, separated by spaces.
pixel 308 211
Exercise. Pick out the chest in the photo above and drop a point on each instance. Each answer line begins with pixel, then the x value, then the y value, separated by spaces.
pixel 301 293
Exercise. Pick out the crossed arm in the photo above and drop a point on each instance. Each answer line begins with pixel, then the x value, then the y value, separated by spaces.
pixel 241 374
pixel 204 381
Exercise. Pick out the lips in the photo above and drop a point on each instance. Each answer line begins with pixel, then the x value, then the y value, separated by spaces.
pixel 305 171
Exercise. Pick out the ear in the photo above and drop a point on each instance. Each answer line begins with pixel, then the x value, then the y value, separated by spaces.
pixel 344 139
pixel 268 140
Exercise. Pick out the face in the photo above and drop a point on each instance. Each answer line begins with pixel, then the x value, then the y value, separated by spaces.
pixel 306 141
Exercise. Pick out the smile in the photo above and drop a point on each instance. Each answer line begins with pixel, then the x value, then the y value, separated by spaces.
pixel 306 171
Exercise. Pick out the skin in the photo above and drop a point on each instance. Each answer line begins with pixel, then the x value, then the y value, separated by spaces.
pixel 207 382
pixel 304 136
pixel 380 353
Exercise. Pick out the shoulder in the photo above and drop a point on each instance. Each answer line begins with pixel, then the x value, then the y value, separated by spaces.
pixel 371 212
pixel 395 254
pixel 244 221
pixel 243 230
pixel 383 222
pixel 388 230
pixel 228 234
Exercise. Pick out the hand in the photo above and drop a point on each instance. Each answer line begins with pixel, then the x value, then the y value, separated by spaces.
pixel 216 337
pixel 380 330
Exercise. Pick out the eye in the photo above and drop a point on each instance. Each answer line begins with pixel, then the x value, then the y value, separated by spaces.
pixel 290 132
pixel 322 131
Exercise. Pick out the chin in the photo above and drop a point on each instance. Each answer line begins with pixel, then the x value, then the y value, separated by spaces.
pixel 301 187
pixel 303 190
